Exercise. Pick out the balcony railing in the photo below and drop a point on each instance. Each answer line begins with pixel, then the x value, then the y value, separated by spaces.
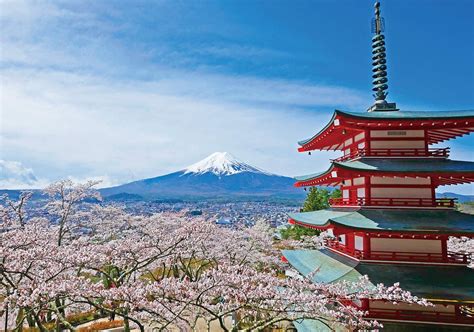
pixel 431 152
pixel 451 257
pixel 425 316
pixel 396 202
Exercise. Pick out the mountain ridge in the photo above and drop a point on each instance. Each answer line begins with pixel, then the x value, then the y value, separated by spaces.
pixel 217 175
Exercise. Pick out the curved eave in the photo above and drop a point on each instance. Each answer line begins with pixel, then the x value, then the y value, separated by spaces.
pixel 402 115
pixel 380 221
pixel 305 144
pixel 440 126
pixel 440 283
pixel 338 171
pixel 308 225
pixel 341 228
pixel 450 174
pixel 407 166
pixel 326 178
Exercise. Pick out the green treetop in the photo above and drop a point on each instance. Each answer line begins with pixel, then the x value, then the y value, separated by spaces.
pixel 318 199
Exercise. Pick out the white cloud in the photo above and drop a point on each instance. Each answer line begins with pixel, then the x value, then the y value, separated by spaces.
pixel 74 102
pixel 13 175
pixel 82 125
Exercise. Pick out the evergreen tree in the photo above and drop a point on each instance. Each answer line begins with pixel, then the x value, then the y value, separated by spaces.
pixel 318 199
pixel 336 193
pixel 295 232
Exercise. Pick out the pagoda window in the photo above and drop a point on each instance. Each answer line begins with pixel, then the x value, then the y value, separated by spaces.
pixel 359 181
pixel 348 142
pixel 359 242
pixel 342 239
pixel 360 192
pixel 359 137
pixel 345 193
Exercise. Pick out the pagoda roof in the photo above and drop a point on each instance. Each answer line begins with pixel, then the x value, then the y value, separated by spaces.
pixel 409 114
pixel 390 220
pixel 393 167
pixel 408 165
pixel 433 282
pixel 440 126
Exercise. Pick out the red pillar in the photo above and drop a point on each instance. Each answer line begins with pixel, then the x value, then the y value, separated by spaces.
pixel 367 190
pixel 350 242
pixel 365 304
pixel 444 248
pixel 367 141
pixel 433 191
pixel 366 246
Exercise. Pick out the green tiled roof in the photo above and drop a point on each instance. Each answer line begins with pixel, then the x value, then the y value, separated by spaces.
pixel 432 282
pixel 409 115
pixel 402 115
pixel 330 269
pixel 309 176
pixel 432 221
pixel 419 165
pixel 408 165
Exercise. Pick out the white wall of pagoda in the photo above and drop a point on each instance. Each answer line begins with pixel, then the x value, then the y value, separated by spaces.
pixel 406 245
pixel 401 192
pixel 387 187
pixel 398 187
pixel 397 139
pixel 353 143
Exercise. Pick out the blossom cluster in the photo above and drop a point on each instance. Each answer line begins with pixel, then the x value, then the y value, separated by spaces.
pixel 162 271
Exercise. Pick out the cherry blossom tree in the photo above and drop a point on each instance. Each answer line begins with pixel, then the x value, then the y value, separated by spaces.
pixel 65 197
pixel 15 210
pixel 463 245
pixel 161 271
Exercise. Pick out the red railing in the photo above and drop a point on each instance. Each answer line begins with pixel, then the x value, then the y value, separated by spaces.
pixel 398 256
pixel 399 202
pixel 451 257
pixel 334 244
pixel 425 316
pixel 431 152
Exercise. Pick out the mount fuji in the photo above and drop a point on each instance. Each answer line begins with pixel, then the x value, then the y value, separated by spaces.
pixel 220 175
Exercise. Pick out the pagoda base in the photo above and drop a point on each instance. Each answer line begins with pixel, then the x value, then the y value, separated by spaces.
pixel 449 288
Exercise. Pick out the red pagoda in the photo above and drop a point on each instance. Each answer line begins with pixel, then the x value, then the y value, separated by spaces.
pixel 389 224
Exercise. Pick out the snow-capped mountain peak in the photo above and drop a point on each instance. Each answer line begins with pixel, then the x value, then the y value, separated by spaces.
pixel 221 163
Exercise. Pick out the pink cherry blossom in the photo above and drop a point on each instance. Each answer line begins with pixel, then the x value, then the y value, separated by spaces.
pixel 162 271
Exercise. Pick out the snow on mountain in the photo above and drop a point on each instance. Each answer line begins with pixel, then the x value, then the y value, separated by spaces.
pixel 219 176
pixel 221 164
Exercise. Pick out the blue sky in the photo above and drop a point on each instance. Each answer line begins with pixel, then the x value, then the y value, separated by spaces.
pixel 123 90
